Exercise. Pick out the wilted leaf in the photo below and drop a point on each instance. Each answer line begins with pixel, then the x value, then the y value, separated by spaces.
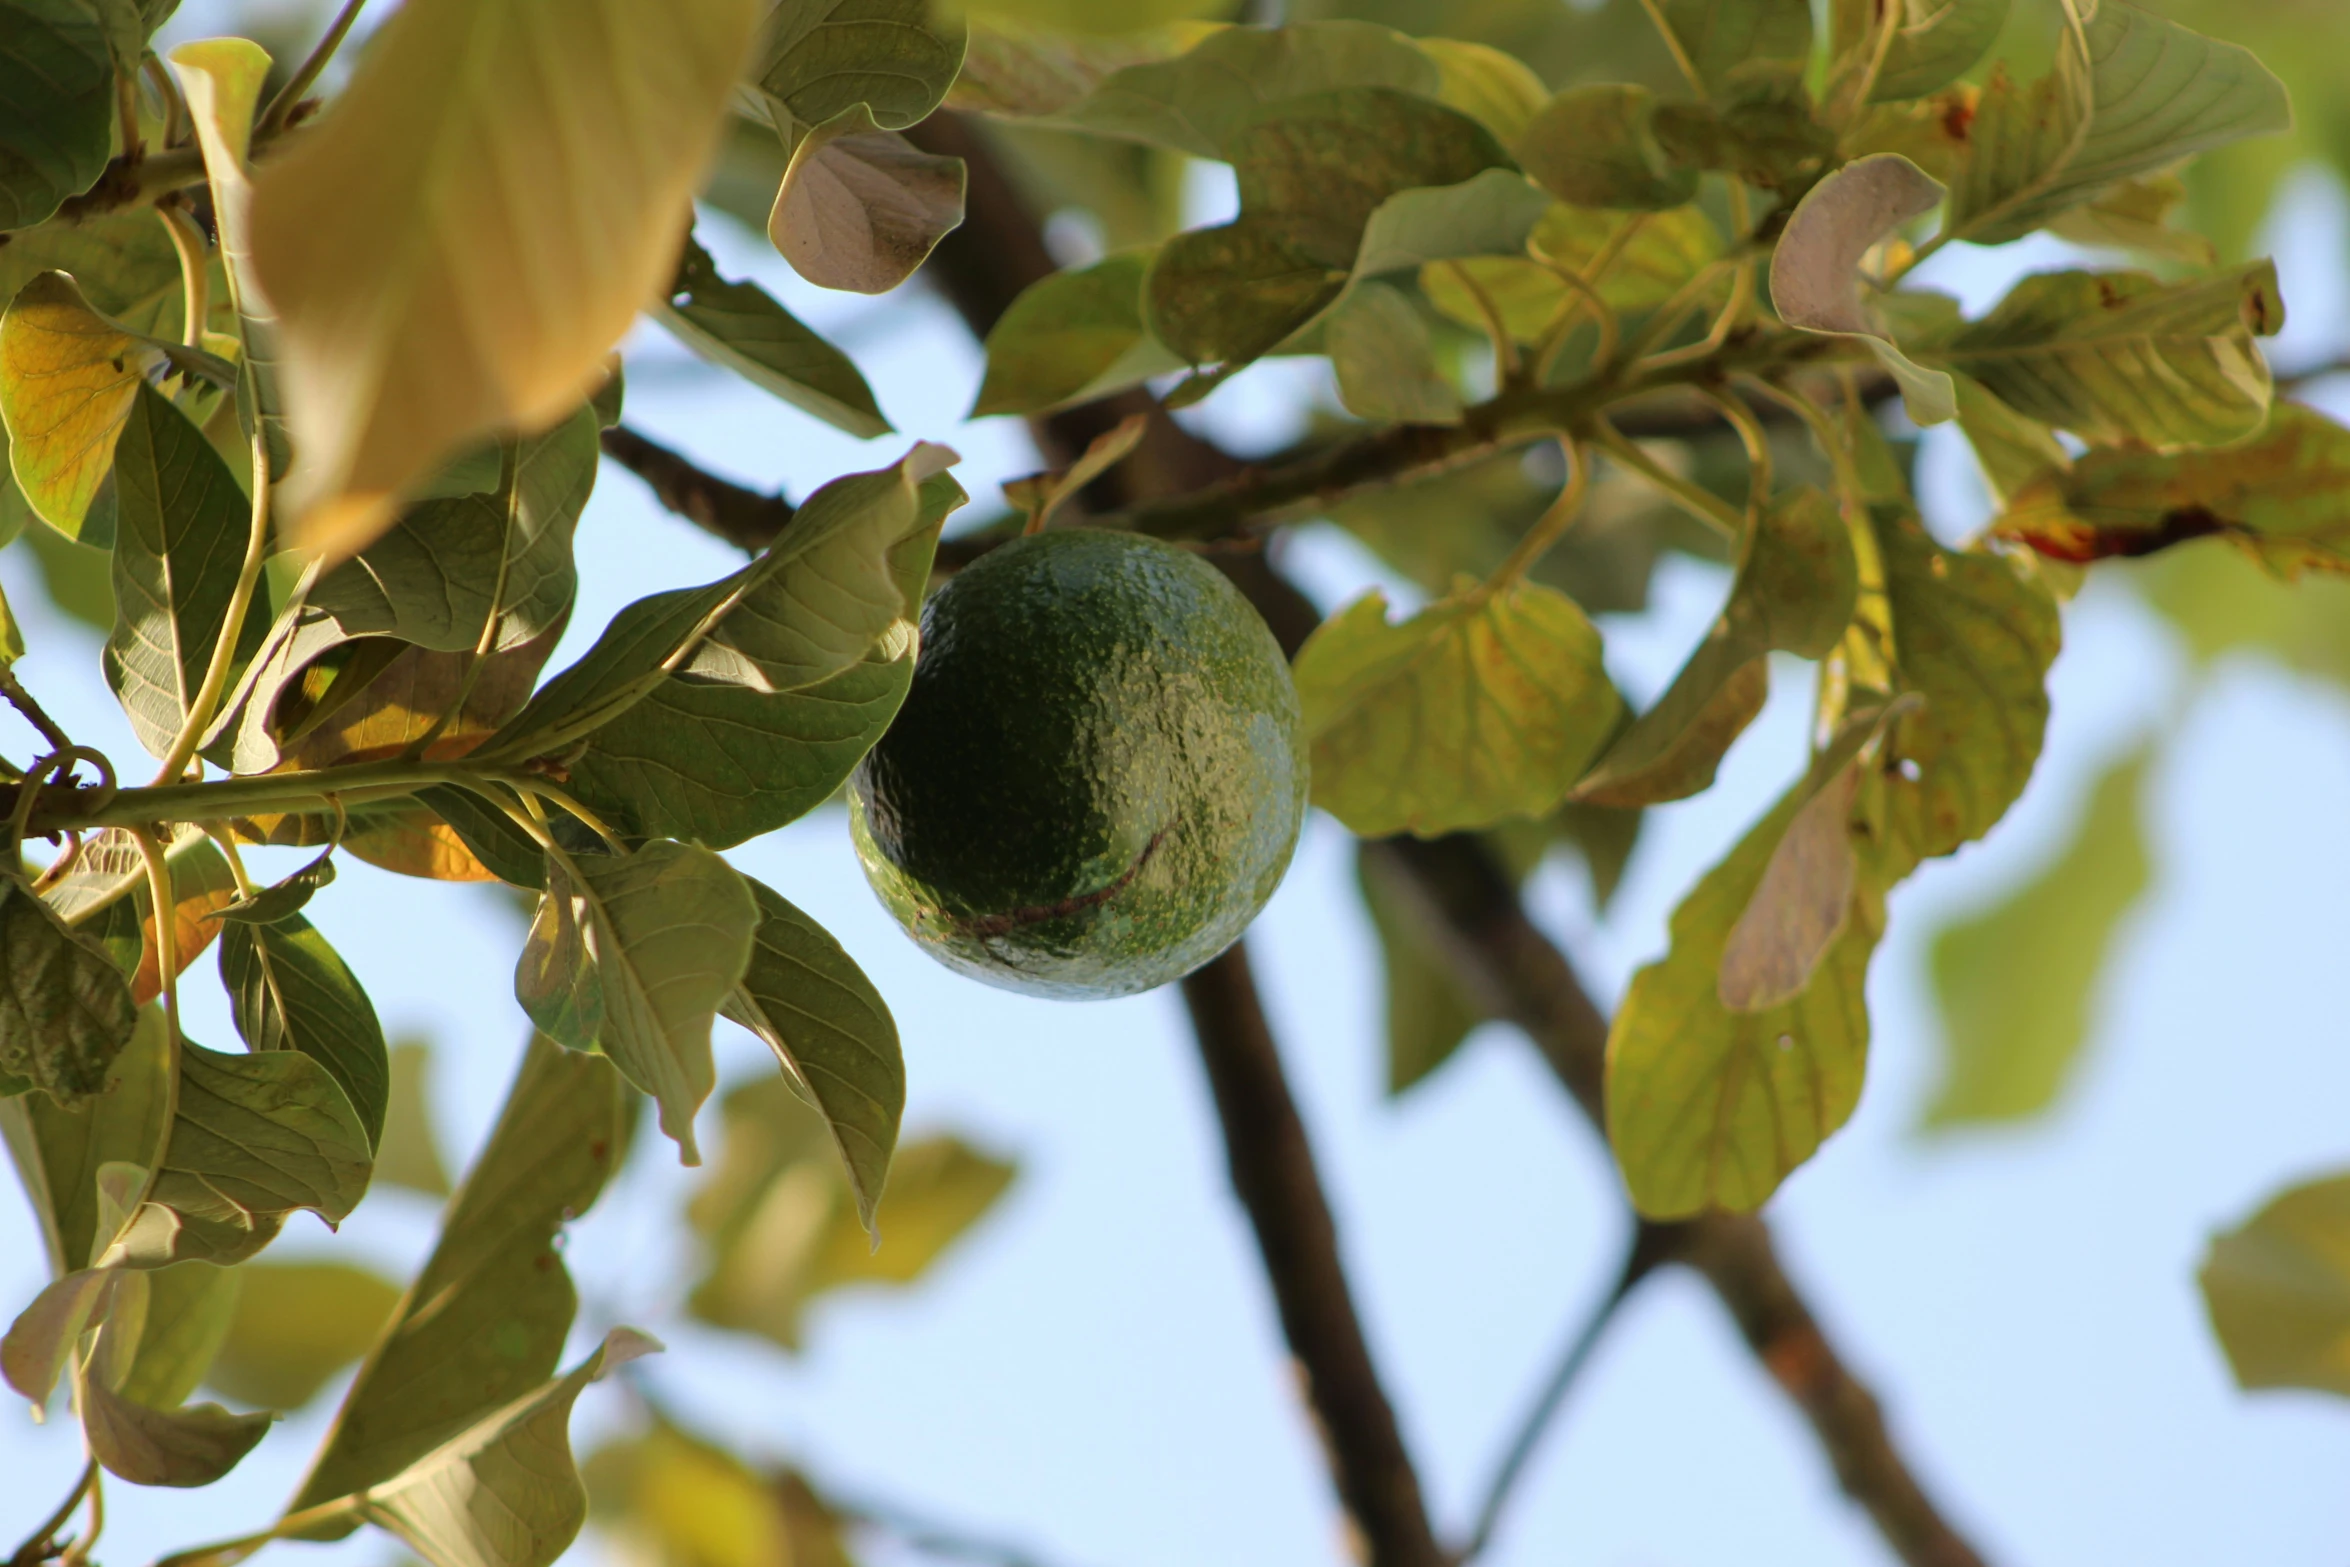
pixel 2122 358
pixel 65 1009
pixel 1816 270
pixel 2130 96
pixel 181 533
pixel 175 1447
pixel 1794 593
pixel 2282 497
pixel 1072 337
pixel 555 155
pixel 2278 1289
pixel 67 380
pixel 633 954
pixel 485 1320
pixel 1385 359
pixel 295 1325
pixel 740 326
pixel 57 119
pixel 1480 707
pixel 289 990
pixel 2015 981
pixel 832 1034
pixel 1595 146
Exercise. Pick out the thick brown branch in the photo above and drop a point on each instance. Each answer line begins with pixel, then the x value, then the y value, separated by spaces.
pixel 1273 1175
pixel 742 517
pixel 1474 921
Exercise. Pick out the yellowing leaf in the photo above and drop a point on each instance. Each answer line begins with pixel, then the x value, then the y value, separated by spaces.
pixel 67 378
pixel 2278 1288
pixel 670 1501
pixel 2282 497
pixel 409 1152
pixel 476 282
pixel 1480 707
pixel 1816 276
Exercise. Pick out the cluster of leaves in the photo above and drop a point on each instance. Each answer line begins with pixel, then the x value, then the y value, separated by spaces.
pixel 325 392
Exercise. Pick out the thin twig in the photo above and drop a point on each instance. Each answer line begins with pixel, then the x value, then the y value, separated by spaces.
pixel 22 700
pixel 40 1545
pixel 1649 1248
pixel 232 625
pixel 195 280
pixel 281 108
pixel 742 517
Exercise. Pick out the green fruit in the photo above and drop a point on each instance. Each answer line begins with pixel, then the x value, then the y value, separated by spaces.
pixel 1098 776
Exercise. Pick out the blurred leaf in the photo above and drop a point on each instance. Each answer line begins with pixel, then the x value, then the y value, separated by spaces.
pixel 415 843
pixel 2220 601
pixel 2131 96
pixel 484 1322
pixel 1497 90
pixel 59 1152
pixel 503 1493
pixel 181 532
pixel 2282 497
pixel 831 1033
pixel 1070 338
pixel 1934 43
pixel 1233 293
pixel 1385 359
pixel 185 1320
pixel 1794 592
pixel 57 121
pixel 295 1325
pixel 2278 1289
pixel 739 326
pixel 65 1010
pixel 522 238
pixel 1721 41
pixel 254 1139
pixel 782 1227
pixel 2012 449
pixel 202 886
pixel 2123 359
pixel 1040 495
pixel 78 578
pixel 1427 1014
pixel 1634 261
pixel 1596 146
pixel 409 1153
pixel 633 954
pixel 41 1341
pixel 1816 270
pixel 176 1447
pixel 2015 981
pixel 2135 215
pixel 68 377
pixel 1085 16
pixel 1482 706
pixel 671 1500
pixel 1021 72
pixel 290 990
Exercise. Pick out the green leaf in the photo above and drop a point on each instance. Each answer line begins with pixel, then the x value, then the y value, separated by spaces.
pixel 861 208
pixel 254 1139
pixel 1794 593
pixel 409 1153
pixel 68 377
pixel 1072 337
pixel 831 1033
pixel 286 898
pixel 1721 42
pixel 1595 146
pixel 2015 981
pixel 175 1447
pixel 633 954
pixel 1815 272
pixel 181 533
pixel 295 1325
pixel 65 1009
pixel 125 265
pixel 1492 214
pixel 739 326
pixel 60 1151
pixel 484 1322
pixel 2011 449
pixel 42 1340
pixel 1711 1105
pixel 183 1322
pixel 289 990
pixel 782 1227
pixel 2282 497
pixel 503 1493
pixel 520 238
pixel 670 1500
pixel 1484 705
pixel 2124 359
pixel 1233 294
pixel 821 58
pixel 1634 261
pixel 1934 43
pixel 2135 215
pixel 1427 1015
pixel 2130 95
pixel 2278 1289
pixel 1385 359
pixel 1497 90
pixel 57 121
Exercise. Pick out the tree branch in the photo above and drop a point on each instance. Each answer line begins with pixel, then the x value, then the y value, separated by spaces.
pixel 1273 1175
pixel 1477 927
pixel 742 517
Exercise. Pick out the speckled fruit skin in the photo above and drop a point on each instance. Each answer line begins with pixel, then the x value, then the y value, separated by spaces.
pixel 1098 776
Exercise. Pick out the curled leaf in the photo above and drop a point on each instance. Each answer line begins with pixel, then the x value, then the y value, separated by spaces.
pixel 1816 271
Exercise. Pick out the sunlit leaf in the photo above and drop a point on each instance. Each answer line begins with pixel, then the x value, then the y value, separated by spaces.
pixel 57 118
pixel 2278 1289
pixel 1815 272
pixel 484 1321
pixel 554 157
pixel 2015 981
pixel 65 1010
pixel 633 954
pixel 295 1325
pixel 289 990
pixel 832 1034
pixel 1480 707
pixel 1072 337
pixel 68 377
pixel 740 326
